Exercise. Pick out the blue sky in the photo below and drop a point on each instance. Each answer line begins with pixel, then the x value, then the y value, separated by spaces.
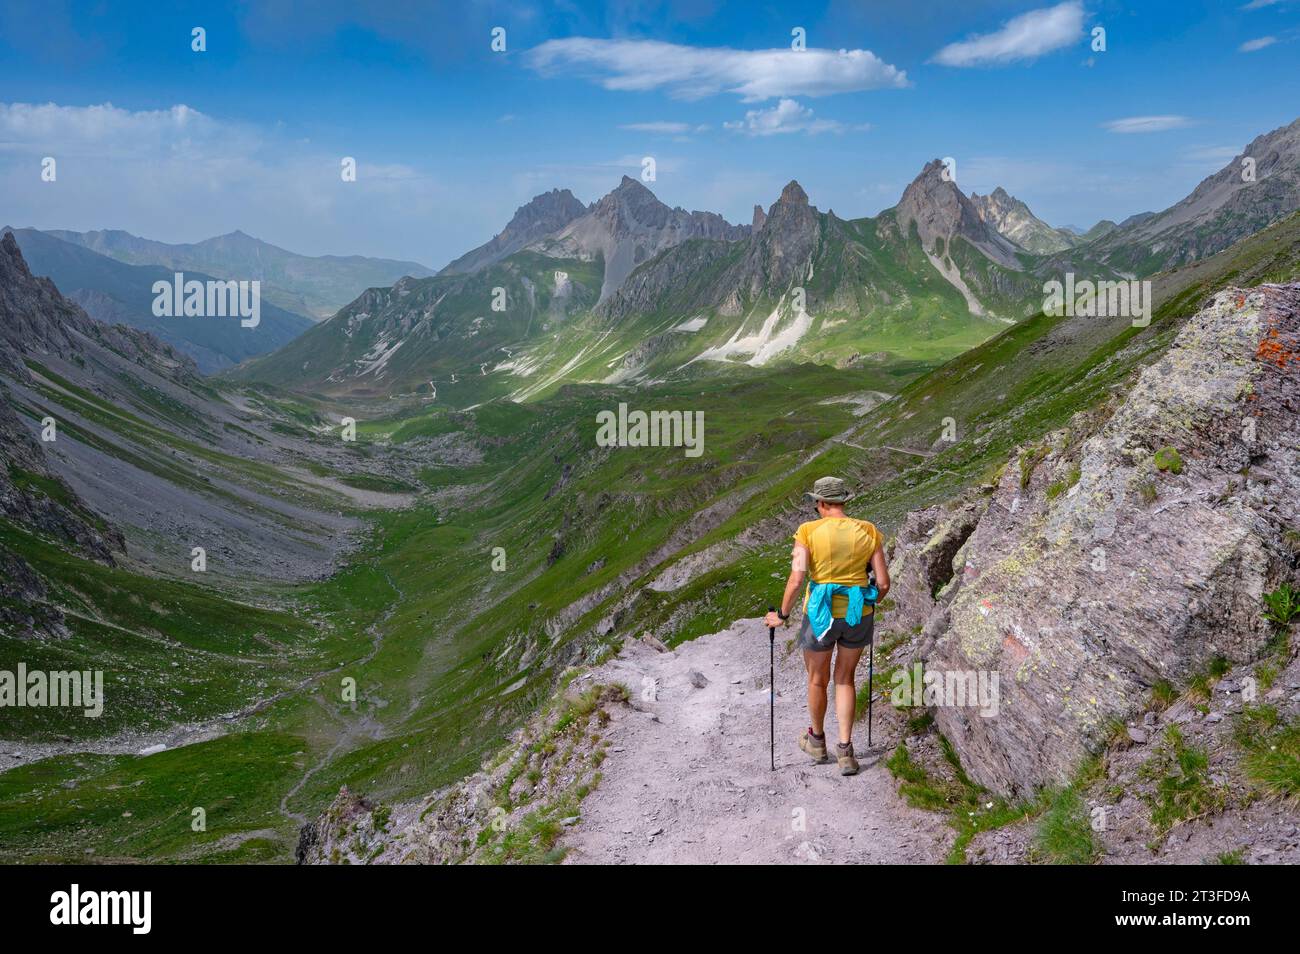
pixel 450 136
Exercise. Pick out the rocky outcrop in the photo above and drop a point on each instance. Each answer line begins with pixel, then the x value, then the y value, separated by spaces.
pixel 777 255
pixel 346 831
pixel 924 558
pixel 1135 557
pixel 781 254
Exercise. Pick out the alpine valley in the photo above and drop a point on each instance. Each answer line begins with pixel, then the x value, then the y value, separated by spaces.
pixel 369 588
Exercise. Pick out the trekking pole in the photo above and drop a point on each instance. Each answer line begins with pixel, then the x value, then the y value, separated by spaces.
pixel 871 652
pixel 771 688
pixel 871 682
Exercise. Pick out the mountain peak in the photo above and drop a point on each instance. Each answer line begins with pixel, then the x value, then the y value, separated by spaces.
pixel 541 215
pixel 939 210
pixel 932 170
pixel 793 194
pixel 1011 217
pixel 631 207
pixel 628 184
pixel 13 256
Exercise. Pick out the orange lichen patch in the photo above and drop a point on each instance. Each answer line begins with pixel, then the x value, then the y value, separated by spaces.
pixel 1273 351
pixel 1014 648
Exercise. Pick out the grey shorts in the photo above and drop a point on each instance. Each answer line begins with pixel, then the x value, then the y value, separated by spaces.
pixel 850 637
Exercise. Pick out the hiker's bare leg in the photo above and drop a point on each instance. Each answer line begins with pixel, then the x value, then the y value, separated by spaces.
pixel 846 695
pixel 819 675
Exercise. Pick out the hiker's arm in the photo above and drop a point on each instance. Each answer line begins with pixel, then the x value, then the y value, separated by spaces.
pixel 881 568
pixel 798 571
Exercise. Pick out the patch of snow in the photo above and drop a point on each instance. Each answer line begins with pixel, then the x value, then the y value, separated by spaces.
pixel 376 359
pixel 694 324
pixel 763 345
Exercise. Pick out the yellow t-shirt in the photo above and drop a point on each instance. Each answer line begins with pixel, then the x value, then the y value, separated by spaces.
pixel 839 551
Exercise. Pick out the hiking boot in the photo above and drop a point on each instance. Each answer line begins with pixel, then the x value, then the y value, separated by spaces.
pixel 848 764
pixel 814 748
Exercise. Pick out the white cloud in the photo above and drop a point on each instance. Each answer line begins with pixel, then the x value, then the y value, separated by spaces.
pixel 1025 37
pixel 786 116
pixel 1146 124
pixel 1260 4
pixel 1250 46
pixel 105 130
pixel 691 72
pixel 668 128
pixel 179 175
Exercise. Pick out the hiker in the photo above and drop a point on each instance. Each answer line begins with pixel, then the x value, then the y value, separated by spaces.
pixel 833 552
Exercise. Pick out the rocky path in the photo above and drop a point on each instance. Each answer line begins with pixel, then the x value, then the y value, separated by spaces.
pixel 687 777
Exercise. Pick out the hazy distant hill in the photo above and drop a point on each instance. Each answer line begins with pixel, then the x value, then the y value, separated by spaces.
pixel 115 292
pixel 315 286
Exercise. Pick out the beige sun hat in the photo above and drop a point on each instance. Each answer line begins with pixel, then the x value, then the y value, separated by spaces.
pixel 831 490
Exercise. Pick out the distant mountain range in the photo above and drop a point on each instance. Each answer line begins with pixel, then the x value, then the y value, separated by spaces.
pixel 653 290
pixel 629 290
pixel 117 293
pixel 314 286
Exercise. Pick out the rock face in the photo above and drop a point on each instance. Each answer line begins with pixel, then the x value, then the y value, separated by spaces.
pixel 35 319
pixel 941 212
pixel 31 494
pixel 544 214
pixel 1011 217
pixel 781 254
pixel 925 558
pixel 1137 556
pixel 778 253
pixel 630 226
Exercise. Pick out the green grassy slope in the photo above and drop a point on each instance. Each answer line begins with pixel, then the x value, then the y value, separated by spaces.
pixel 426 332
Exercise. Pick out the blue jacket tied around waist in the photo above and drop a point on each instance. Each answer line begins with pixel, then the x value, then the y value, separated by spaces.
pixel 819 605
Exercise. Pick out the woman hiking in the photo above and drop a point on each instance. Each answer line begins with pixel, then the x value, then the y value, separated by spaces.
pixel 837 551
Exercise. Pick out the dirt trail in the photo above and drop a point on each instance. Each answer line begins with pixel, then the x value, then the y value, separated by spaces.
pixel 687 777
